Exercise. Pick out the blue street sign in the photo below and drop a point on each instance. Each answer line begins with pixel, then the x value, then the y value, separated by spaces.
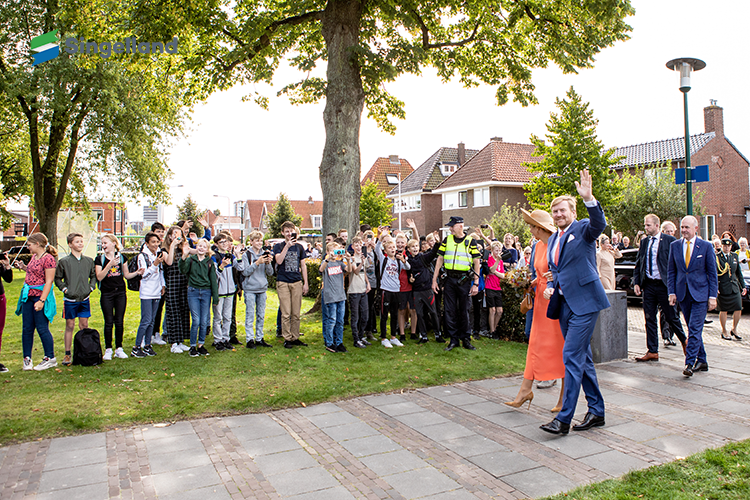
pixel 699 174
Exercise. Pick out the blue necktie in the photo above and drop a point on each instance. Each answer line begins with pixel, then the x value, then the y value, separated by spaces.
pixel 650 263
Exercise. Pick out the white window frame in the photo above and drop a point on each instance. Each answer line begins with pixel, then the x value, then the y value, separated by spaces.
pixel 318 219
pixel 484 195
pixel 465 201
pixel 708 226
pixel 411 203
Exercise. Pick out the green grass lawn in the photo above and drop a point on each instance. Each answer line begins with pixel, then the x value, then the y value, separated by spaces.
pixel 124 392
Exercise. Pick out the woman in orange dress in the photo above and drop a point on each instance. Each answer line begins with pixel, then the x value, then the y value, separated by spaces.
pixel 544 359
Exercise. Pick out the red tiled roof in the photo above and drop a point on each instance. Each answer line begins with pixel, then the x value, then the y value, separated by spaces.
pixel 384 166
pixel 497 162
pixel 256 209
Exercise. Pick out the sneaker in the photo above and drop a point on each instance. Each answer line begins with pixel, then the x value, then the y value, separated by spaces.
pixel 184 347
pixel 288 344
pixel 219 346
pixel 107 354
pixel 360 344
pixel 137 352
pixel 341 348
pixel 228 346
pixel 401 338
pixel 3 368
pixel 149 351
pixel 263 343
pixel 119 353
pixel 67 361
pixel 396 342
pixel 331 348
pixel 546 384
pixel 439 338
pixel 203 351
pixel 156 339
pixel 423 340
pixel 193 352
pixel 233 341
pixel 366 342
pixel 413 336
pixel 250 344
pixel 46 363
pixel 299 343
pixel 176 348
pixel 27 364
pixel 386 343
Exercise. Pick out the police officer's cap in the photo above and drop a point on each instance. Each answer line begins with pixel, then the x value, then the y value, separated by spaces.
pixel 455 220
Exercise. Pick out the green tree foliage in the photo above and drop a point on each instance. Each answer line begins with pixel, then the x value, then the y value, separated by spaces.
pixel 189 211
pixel 365 44
pixel 90 122
pixel 510 220
pixel 647 191
pixel 374 208
pixel 571 146
pixel 281 212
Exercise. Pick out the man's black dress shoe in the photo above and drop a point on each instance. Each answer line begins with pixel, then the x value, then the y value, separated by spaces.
pixel 688 371
pixel 589 421
pixel 467 345
pixel 451 346
pixel 700 367
pixel 556 427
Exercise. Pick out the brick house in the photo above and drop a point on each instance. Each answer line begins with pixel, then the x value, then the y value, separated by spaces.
pixel 491 178
pixel 111 217
pixel 418 201
pixel 726 196
pixel 382 166
pixel 255 212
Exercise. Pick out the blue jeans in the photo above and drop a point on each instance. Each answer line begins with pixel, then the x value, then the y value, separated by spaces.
pixel 35 320
pixel 255 312
pixel 199 301
pixel 333 329
pixel 148 316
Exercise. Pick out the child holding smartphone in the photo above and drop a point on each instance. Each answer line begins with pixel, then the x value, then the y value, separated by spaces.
pixel 332 269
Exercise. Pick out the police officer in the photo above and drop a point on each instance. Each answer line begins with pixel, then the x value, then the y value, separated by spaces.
pixel 459 256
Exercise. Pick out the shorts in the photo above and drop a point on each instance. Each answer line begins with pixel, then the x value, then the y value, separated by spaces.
pixel 405 299
pixel 494 298
pixel 72 310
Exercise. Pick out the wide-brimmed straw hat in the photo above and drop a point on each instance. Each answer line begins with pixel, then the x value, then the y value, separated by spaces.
pixel 539 218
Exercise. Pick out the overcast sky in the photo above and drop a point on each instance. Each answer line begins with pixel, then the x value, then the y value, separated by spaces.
pixel 239 150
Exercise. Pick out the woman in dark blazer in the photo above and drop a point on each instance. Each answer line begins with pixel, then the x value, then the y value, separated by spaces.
pixel 731 288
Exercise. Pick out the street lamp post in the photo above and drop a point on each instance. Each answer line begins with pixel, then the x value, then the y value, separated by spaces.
pixel 392 180
pixel 686 65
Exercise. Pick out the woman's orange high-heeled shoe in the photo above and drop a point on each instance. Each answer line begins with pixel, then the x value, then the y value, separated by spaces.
pixel 518 404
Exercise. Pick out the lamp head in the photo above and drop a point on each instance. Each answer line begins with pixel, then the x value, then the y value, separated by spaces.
pixel 685 65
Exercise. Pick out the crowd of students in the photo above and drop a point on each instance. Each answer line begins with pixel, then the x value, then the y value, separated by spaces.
pixel 187 280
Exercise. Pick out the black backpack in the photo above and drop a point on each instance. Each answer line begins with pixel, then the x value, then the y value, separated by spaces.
pixel 87 348
pixel 134 283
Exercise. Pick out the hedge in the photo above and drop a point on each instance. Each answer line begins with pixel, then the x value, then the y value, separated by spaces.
pixel 314 280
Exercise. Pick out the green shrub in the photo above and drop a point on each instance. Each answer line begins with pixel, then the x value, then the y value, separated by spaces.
pixel 314 279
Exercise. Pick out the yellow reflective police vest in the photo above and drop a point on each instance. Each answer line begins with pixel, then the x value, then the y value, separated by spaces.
pixel 457 255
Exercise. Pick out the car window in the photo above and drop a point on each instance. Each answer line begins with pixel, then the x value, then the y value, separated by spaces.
pixel 628 258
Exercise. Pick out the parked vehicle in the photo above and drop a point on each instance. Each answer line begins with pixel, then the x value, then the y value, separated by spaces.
pixel 624 268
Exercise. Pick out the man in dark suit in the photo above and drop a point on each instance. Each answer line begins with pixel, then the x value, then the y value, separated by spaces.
pixel 576 296
pixel 692 280
pixel 650 276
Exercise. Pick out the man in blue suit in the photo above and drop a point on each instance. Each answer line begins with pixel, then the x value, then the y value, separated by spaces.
pixel 576 296
pixel 692 280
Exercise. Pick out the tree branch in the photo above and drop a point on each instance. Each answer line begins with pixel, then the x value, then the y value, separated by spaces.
pixel 70 160
pixel 426 35
pixel 533 17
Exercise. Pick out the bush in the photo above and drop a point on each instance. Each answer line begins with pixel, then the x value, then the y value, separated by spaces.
pixel 513 324
pixel 314 279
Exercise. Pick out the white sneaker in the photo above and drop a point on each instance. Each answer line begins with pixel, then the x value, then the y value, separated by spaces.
pixel 119 353
pixel 546 384
pixel 386 343
pixel 107 354
pixel 185 348
pixel 396 342
pixel 46 363
pixel 27 364
pixel 156 339
pixel 176 348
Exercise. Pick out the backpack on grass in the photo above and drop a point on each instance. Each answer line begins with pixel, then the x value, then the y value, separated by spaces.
pixel 87 348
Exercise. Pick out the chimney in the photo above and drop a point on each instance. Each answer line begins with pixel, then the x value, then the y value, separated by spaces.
pixel 713 119
pixel 497 139
pixel 461 154
pixel 394 160
pixel 310 200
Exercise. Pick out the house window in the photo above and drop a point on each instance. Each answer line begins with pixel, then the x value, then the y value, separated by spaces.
pixel 408 204
pixel 448 168
pixel 450 200
pixel 317 221
pixel 482 197
pixel 708 226
pixel 653 174
pixel 118 215
pixel 463 199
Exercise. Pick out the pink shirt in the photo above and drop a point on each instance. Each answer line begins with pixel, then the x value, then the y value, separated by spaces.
pixel 35 272
pixel 492 282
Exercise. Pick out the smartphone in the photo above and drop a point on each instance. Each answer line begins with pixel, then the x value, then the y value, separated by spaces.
pixel 484 226
pixel 179 238
pixel 294 236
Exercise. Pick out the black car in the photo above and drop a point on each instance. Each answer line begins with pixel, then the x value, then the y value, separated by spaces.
pixel 19 249
pixel 624 268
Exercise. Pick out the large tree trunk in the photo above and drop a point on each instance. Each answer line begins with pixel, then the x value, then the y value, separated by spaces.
pixel 345 99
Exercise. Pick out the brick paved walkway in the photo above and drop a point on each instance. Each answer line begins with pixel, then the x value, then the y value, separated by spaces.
pixel 450 442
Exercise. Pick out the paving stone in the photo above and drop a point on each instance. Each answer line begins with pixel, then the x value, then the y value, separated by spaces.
pixel 178 461
pixel 421 482
pixel 622 399
pixel 75 458
pixel 88 492
pixel 731 431
pixel 575 445
pixel 539 482
pixel 639 432
pixel 689 418
pixel 459 494
pixel 350 431
pixel 422 419
pixel 677 446
pixel 177 429
pixel 261 425
pixel 385 464
pixel 303 481
pixel 734 407
pixel 217 492
pixel 487 408
pixel 515 419
pixel 55 480
pixel 84 442
pixel 699 398
pixel 333 419
pixel 614 463
pixel 401 408
pixel 442 392
pixel 443 432
pixel 652 408
pixel 280 463
pixel 337 493
pixel 469 446
pixel 736 388
pixel 168 445
pixel 265 446
pixel 370 445
pixel 385 399
pixel 318 409
pixel 496 383
pixel 502 463
pixel 169 483
pixel 463 399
